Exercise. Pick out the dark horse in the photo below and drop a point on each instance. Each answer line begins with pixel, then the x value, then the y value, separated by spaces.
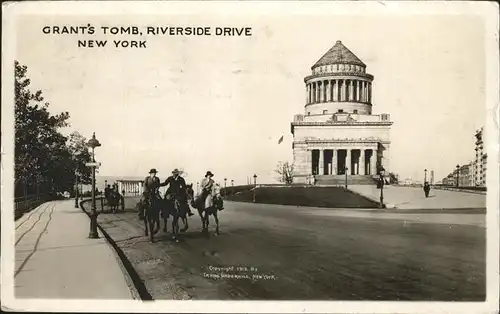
pixel 151 206
pixel 113 200
pixel 168 209
pixel 175 207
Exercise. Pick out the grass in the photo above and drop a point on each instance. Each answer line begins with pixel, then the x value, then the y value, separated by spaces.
pixel 332 197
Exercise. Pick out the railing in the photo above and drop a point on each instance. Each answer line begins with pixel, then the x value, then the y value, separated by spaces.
pixel 25 204
pixel 101 202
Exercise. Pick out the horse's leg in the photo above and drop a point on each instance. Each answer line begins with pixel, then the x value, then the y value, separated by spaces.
pixel 217 223
pixel 145 224
pixel 165 222
pixel 151 227
pixel 185 222
pixel 174 235
pixel 177 229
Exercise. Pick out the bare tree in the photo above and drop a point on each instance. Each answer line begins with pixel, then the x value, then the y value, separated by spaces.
pixel 285 172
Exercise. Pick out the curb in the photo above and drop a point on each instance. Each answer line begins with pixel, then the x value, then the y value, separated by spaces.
pixel 139 290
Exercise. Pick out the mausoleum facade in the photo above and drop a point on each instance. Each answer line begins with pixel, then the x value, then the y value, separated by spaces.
pixel 338 133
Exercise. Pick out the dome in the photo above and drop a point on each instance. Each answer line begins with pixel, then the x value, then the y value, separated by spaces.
pixel 338 54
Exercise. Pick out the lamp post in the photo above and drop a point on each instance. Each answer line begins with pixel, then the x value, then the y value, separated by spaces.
pixel 458 174
pixel 345 170
pixel 425 175
pixel 254 186
pixel 382 173
pixel 225 189
pixel 197 187
pixel 76 189
pixel 93 143
pixel 232 187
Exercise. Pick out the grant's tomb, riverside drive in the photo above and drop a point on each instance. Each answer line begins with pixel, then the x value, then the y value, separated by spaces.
pixel 338 134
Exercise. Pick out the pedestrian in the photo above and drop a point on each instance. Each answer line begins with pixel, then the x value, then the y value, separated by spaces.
pixel 427 188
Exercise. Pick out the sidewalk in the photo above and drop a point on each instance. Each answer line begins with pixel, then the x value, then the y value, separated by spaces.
pixel 402 197
pixel 56 259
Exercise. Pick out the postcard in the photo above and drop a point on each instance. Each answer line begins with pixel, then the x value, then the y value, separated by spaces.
pixel 253 157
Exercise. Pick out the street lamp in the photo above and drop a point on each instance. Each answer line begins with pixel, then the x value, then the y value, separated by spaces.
pixel 232 186
pixel 425 175
pixel 225 189
pixel 345 170
pixel 197 187
pixel 458 171
pixel 382 173
pixel 93 143
pixel 254 186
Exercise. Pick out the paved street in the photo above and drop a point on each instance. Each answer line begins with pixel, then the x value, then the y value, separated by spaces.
pixel 312 254
pixel 404 197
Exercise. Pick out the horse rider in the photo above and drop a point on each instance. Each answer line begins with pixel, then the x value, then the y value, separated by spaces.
pixel 177 188
pixel 150 189
pixel 205 199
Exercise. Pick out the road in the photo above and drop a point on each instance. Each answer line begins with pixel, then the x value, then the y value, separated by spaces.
pixel 311 254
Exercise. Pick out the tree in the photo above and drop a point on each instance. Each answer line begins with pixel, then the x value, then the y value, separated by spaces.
pixel 80 156
pixel 285 172
pixel 393 178
pixel 41 155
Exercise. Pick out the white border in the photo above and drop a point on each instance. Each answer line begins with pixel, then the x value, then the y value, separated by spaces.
pixel 487 10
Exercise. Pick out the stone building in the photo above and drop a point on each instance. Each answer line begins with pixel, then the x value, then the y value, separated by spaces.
pixel 480 161
pixel 338 133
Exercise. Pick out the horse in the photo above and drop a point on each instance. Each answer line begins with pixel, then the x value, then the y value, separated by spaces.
pixel 205 212
pixel 166 212
pixel 113 201
pixel 151 206
pixel 174 208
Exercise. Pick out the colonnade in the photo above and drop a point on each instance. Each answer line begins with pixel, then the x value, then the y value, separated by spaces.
pixel 130 187
pixel 339 90
pixel 336 161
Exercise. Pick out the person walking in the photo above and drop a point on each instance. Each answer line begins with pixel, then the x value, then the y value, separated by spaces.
pixel 427 189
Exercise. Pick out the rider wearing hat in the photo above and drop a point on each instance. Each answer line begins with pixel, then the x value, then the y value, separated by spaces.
pixel 207 191
pixel 177 189
pixel 150 188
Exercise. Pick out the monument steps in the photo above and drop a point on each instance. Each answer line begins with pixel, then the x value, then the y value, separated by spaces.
pixel 340 180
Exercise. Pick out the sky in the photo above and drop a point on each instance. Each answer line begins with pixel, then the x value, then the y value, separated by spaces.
pixel 221 103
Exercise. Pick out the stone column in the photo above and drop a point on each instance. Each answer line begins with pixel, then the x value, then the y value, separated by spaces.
pixel 369 92
pixel 366 91
pixel 334 162
pixel 348 161
pixel 361 91
pixel 373 162
pixel 351 90
pixel 335 90
pixel 362 165
pixel 346 91
pixel 309 162
pixel 329 91
pixel 317 92
pixel 321 163
pixel 357 90
pixel 320 89
pixel 313 91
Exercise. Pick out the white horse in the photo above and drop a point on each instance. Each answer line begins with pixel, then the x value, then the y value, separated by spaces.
pixel 210 206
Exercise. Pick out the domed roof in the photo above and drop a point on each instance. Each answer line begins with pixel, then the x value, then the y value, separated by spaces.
pixel 338 54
